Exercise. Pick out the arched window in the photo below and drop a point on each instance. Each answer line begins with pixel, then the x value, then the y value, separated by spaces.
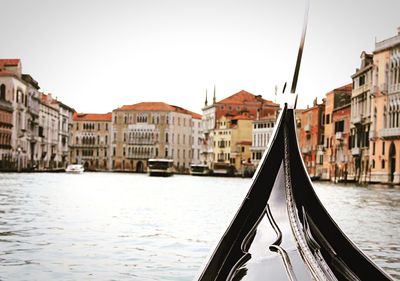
pixel 3 92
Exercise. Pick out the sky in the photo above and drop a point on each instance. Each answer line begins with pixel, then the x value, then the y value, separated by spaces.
pixel 97 55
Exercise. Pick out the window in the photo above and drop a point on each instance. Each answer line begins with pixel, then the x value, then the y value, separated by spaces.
pixel 3 92
pixel 361 80
pixel 373 164
pixel 383 149
pixel 339 126
pixel 383 164
pixel 327 119
pixel 373 150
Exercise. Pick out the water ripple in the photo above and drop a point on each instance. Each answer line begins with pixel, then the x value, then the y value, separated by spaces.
pixel 58 227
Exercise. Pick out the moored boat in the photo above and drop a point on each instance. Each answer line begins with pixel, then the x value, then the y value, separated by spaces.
pixel 223 169
pixel 199 170
pixel 74 169
pixel 160 167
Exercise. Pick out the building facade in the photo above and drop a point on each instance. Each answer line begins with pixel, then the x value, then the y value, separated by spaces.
pixel 6 114
pixel 261 136
pixel 91 141
pixel 385 133
pixel 242 103
pixel 311 138
pixel 361 98
pixel 152 130
pixel 48 133
pixel 335 155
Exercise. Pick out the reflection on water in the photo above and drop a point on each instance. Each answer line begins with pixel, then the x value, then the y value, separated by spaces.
pixel 108 226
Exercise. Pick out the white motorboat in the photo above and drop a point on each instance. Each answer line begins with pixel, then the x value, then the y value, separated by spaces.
pixel 74 169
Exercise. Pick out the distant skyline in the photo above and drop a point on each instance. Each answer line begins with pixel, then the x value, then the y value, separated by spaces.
pixel 96 56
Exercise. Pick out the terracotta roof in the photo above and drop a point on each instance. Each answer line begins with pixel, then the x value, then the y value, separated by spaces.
pixel 241 117
pixel 92 116
pixel 242 97
pixel 244 142
pixel 158 106
pixel 148 106
pixel 183 110
pixel 196 115
pixel 4 72
pixel 347 87
pixel 9 62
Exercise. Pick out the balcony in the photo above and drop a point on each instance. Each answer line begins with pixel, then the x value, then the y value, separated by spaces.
pixel 339 136
pixel 394 88
pixel 372 135
pixel 356 119
pixel 306 150
pixel 307 128
pixel 362 89
pixel 390 133
pixel 355 151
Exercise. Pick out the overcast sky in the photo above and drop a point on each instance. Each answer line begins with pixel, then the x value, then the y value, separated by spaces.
pixel 98 55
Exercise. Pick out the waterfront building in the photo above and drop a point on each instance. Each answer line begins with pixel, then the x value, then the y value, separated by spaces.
pixel 91 140
pixel 341 120
pixel 261 135
pixel 336 135
pixel 385 125
pixel 32 120
pixel 48 133
pixel 197 139
pixel 152 130
pixel 232 141
pixel 6 114
pixel 15 89
pixel 311 138
pixel 361 97
pixel 241 103
pixel 208 124
pixel 65 125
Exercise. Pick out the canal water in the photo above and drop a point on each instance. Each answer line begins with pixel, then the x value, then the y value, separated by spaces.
pixel 115 226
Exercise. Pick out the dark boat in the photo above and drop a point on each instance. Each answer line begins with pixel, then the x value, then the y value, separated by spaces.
pixel 282 231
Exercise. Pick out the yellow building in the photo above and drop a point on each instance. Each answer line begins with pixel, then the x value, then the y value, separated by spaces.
pixel 91 140
pixel 232 141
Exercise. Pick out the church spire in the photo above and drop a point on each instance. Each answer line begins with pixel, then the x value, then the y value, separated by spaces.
pixel 214 98
pixel 206 102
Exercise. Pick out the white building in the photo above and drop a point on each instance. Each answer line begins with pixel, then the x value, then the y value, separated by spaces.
pixel 261 136
pixel 48 133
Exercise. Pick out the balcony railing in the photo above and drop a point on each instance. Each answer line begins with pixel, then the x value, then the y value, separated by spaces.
pixel 390 133
pixel 362 89
pixel 394 88
pixel 355 151
pixel 356 119
pixel 372 135
pixel 307 128
pixel 339 136
pixel 306 150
